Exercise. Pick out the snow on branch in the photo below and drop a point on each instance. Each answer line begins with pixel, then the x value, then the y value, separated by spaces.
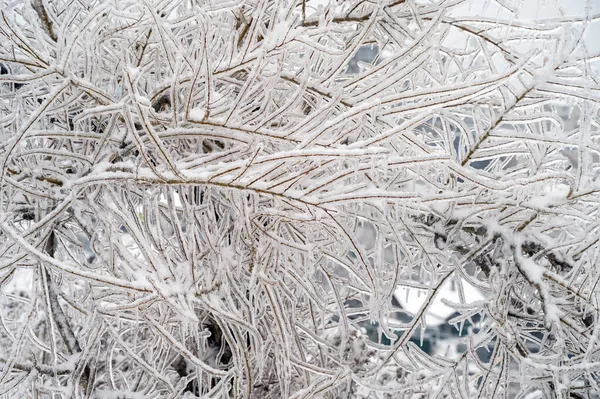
pixel 298 199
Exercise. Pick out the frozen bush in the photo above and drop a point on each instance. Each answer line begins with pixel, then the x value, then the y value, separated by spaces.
pixel 221 198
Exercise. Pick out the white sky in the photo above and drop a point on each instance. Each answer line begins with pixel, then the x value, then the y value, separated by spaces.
pixel 536 9
pixel 528 10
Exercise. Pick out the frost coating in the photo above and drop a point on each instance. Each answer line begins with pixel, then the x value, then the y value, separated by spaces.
pixel 297 199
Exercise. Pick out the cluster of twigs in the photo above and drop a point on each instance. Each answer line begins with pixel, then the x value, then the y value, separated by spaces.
pixel 194 193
